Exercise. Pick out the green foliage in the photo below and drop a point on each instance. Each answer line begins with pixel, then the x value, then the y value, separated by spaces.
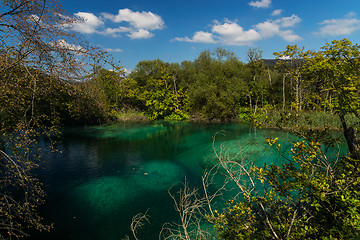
pixel 155 91
pixel 338 63
pixel 131 115
pixel 38 99
pixel 107 89
pixel 308 197
pixel 217 85
pixel 296 58
pixel 162 99
pixel 258 117
pixel 129 94
pixel 304 119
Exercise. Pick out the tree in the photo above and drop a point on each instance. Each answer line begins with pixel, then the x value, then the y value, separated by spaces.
pixel 338 63
pixel 256 82
pixel 106 85
pixel 310 196
pixel 40 61
pixel 163 99
pixel 218 85
pixel 296 58
pixel 145 70
pixel 313 194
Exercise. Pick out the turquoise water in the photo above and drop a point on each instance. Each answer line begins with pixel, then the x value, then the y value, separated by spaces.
pixel 106 175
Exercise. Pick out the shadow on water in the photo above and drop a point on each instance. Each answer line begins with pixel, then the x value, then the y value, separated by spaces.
pixel 106 175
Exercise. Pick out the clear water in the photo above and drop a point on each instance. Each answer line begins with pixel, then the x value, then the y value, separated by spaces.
pixel 106 175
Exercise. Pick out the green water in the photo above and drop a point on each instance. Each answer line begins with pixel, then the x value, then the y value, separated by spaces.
pixel 106 175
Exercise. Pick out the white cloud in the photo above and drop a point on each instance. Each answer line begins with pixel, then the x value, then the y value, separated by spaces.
pixel 288 21
pixel 336 27
pixel 231 33
pixel 34 18
pixel 138 20
pixel 114 32
pixel 140 34
pixel 203 37
pixel 272 28
pixel 200 37
pixel 67 46
pixel 284 57
pixel 89 24
pixel 268 29
pixel 135 25
pixel 276 12
pixel 261 3
pixel 289 36
pixel 113 50
pixel 351 14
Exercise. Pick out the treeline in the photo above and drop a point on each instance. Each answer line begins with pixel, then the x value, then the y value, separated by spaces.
pixel 217 86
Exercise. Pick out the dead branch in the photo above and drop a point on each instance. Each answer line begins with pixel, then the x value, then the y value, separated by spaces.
pixel 138 222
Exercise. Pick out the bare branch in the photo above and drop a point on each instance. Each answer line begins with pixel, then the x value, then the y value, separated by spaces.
pixel 138 222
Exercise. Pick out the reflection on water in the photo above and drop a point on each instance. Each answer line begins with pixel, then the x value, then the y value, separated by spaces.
pixel 106 175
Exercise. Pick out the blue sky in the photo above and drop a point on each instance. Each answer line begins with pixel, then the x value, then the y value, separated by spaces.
pixel 174 31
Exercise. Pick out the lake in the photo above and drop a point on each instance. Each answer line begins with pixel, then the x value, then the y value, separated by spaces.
pixel 102 176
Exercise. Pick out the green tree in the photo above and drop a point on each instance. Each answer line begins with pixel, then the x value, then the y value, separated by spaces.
pixel 106 84
pixel 163 99
pixel 313 194
pixel 145 70
pixel 338 64
pixel 257 80
pixel 310 196
pixel 217 86
pixel 296 58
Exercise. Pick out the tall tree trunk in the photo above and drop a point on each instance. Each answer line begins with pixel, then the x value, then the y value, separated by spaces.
pixel 351 138
pixel 283 107
pixel 250 101
pixel 297 92
pixel 256 106
pixel 176 94
pixel 327 97
pixel 269 75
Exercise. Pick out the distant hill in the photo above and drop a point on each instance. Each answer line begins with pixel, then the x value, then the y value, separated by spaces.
pixel 272 62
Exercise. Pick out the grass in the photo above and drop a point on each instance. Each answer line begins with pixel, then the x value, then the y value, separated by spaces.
pixel 131 115
pixel 305 119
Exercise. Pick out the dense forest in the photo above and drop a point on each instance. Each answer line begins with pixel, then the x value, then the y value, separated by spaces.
pixel 50 79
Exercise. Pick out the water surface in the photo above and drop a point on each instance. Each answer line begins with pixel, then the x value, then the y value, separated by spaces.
pixel 105 175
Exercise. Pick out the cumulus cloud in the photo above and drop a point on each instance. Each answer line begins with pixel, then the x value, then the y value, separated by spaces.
pixel 115 32
pixel 288 21
pixel 276 27
pixel 231 33
pixel 89 23
pixel 135 25
pixel 260 4
pixel 276 12
pixel 289 36
pixel 138 20
pixel 113 50
pixel 268 29
pixel 342 26
pixel 199 37
pixel 140 34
